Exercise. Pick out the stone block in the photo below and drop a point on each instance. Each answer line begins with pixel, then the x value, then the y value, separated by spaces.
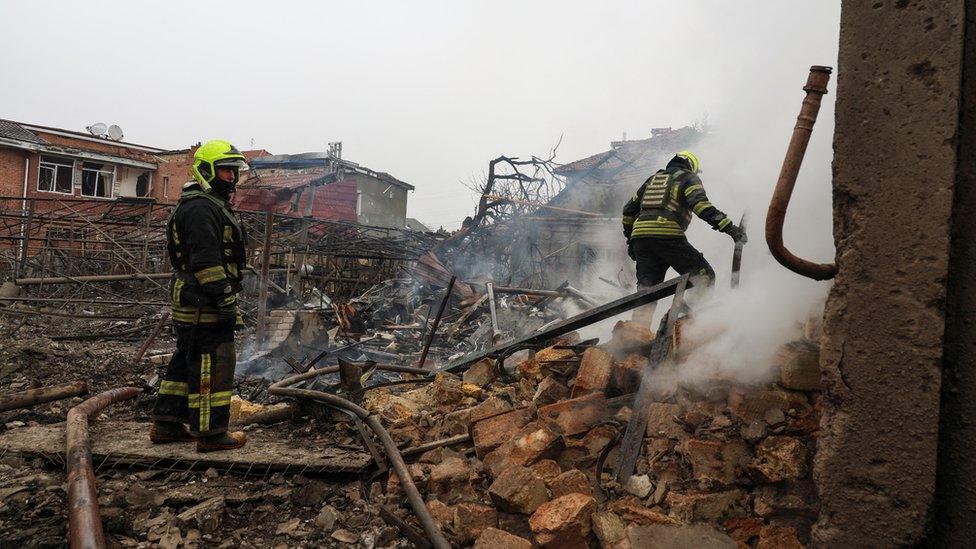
pixel 573 481
pixel 576 415
pixel 564 522
pixel 780 458
pixel 492 432
pixel 594 372
pixel 518 490
pixel 493 538
pixel 639 486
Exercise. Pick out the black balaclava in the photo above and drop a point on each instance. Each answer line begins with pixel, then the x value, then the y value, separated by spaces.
pixel 223 188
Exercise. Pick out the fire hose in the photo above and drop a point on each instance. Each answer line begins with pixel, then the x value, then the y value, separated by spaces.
pixel 816 87
pixel 283 388
pixel 84 520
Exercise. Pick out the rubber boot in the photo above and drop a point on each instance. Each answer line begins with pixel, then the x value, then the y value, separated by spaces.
pixel 223 441
pixel 163 432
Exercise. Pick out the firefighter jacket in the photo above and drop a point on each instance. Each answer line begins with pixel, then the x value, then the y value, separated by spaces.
pixel 206 246
pixel 663 205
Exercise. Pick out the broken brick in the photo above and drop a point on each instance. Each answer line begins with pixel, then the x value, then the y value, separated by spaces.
pixel 594 372
pixel 631 509
pixel 625 376
pixel 631 337
pixel 749 405
pixel 493 538
pixel 480 373
pixel 564 521
pixel 471 519
pixel 573 481
pixel 449 477
pixel 446 389
pixel 595 440
pixel 780 458
pixel 744 530
pixel 547 470
pixel 576 415
pixel 778 537
pixel 661 420
pixel 549 390
pixel 704 507
pixel 492 406
pixel 533 442
pixel 441 512
pixel 714 461
pixel 518 490
pixel 492 432
pixel 677 536
pixel 608 527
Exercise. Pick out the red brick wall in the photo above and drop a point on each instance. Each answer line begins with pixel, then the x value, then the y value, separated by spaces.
pixel 176 167
pixel 12 172
pixel 94 146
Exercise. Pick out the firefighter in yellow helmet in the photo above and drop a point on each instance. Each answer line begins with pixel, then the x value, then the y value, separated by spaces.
pixel 206 244
pixel 655 220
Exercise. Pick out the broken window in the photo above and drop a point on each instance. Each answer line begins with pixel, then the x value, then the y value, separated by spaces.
pixel 55 174
pixel 165 186
pixel 142 184
pixel 97 180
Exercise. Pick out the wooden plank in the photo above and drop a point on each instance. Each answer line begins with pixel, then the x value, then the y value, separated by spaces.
pixel 128 443
pixel 634 434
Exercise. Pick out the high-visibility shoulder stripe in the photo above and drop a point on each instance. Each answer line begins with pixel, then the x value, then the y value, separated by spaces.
pixel 692 188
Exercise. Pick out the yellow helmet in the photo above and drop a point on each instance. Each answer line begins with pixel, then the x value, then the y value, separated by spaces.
pixel 211 155
pixel 691 159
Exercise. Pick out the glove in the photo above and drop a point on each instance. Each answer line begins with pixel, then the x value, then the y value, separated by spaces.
pixel 737 234
pixel 630 250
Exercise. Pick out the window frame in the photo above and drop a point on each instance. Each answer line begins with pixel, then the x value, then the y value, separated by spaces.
pixel 111 186
pixel 43 164
pixel 165 186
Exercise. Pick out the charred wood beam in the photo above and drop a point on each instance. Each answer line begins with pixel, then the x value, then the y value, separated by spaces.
pixel 614 308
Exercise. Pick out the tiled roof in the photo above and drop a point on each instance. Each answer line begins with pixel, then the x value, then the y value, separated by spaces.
pixel 13 130
pixel 638 151
pixel 285 180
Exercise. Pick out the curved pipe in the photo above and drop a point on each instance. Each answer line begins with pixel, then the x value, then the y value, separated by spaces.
pixel 816 87
pixel 84 520
pixel 282 388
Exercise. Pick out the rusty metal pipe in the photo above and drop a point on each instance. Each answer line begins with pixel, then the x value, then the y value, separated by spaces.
pixel 282 388
pixel 32 397
pixel 84 520
pixel 816 87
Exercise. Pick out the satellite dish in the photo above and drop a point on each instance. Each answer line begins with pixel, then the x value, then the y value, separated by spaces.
pixel 97 129
pixel 114 133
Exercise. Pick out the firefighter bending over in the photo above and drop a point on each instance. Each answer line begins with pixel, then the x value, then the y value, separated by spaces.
pixel 655 220
pixel 206 244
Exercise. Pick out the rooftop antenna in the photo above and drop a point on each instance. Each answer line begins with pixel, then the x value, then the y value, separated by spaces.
pixel 335 150
pixel 97 129
pixel 115 133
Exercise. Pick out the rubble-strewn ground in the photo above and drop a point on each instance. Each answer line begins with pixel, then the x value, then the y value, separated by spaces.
pixel 722 464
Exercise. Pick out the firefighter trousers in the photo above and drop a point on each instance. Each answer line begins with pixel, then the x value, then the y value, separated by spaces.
pixel 656 255
pixel 199 380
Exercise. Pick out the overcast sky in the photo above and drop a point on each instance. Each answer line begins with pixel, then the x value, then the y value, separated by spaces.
pixel 428 91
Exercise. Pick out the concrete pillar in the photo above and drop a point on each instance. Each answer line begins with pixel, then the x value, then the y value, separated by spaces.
pixel 956 486
pixel 897 118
